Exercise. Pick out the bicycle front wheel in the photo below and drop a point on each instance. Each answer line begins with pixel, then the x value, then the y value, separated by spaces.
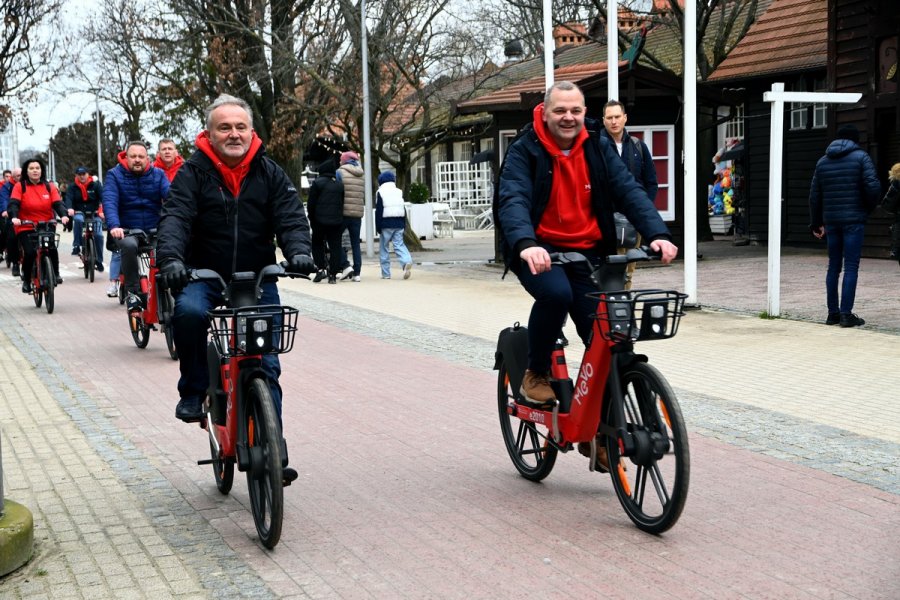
pixel 527 443
pixel 48 282
pixel 140 331
pixel 654 488
pixel 265 480
pixel 90 257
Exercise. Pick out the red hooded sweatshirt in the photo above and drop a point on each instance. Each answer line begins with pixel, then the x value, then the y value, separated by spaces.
pixel 233 177
pixel 569 219
pixel 169 171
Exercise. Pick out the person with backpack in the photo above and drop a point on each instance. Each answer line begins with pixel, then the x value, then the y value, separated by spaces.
pixel 558 187
pixel 325 207
pixel 636 156
pixel 34 199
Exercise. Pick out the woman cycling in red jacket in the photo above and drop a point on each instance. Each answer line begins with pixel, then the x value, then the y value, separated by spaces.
pixel 34 199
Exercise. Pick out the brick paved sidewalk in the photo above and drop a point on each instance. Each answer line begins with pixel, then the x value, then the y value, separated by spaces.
pixel 405 490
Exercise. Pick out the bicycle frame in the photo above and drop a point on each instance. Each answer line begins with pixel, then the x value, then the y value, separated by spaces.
pixel 45 238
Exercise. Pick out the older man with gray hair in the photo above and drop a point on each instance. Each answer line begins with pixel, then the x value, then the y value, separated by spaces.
pixel 225 209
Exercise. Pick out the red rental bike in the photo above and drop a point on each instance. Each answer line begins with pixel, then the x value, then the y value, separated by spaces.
pixel 618 403
pixel 43 278
pixel 88 253
pixel 240 417
pixel 160 306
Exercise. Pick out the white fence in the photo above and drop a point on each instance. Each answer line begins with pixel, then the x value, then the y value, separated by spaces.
pixel 468 190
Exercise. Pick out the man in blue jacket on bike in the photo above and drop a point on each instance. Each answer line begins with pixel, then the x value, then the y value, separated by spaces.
pixel 133 195
pixel 226 208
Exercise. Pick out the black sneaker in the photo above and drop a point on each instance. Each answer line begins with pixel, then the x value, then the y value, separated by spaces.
pixel 15 270
pixel 76 250
pixel 189 410
pixel 26 287
pixel 99 266
pixel 320 275
pixel 851 320
pixel 332 279
pixel 59 280
pixel 288 476
pixel 833 319
pixel 133 303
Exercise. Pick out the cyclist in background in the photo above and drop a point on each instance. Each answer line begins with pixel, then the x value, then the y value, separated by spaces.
pixel 34 199
pixel 132 198
pixel 167 158
pixel 84 196
pixel 9 235
pixel 200 229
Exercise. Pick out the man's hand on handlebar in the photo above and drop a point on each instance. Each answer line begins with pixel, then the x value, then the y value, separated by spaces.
pixel 176 274
pixel 667 250
pixel 302 264
pixel 537 259
pixel 117 233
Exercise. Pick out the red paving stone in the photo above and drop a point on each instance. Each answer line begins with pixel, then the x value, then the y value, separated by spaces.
pixel 405 489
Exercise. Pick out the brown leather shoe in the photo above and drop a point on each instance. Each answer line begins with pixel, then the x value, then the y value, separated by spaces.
pixel 602 464
pixel 536 390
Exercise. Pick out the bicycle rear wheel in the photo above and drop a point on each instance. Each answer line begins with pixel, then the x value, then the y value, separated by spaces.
pixel 264 478
pixel 140 331
pixel 527 443
pixel 223 466
pixel 654 488
pixel 48 282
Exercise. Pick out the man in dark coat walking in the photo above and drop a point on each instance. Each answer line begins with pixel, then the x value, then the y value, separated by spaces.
pixel 844 191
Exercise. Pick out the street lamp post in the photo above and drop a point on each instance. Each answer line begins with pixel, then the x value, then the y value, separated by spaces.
pixel 50 170
pixel 99 152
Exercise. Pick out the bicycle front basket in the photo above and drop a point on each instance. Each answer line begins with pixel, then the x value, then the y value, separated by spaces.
pixel 639 314
pixel 265 329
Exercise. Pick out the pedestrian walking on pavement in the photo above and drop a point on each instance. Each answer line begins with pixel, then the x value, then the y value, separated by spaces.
pixel 352 177
pixel 844 191
pixel 390 223
pixel 326 216
pixel 891 204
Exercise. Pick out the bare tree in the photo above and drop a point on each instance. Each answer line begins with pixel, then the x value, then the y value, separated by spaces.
pixel 27 53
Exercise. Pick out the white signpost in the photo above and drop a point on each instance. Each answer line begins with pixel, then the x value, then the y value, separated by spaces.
pixel 778 97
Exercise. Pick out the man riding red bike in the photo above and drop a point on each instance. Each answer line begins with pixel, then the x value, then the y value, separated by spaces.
pixel 557 190
pixel 224 210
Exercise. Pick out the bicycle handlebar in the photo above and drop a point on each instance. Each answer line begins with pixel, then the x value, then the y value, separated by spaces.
pixel 632 255
pixel 235 292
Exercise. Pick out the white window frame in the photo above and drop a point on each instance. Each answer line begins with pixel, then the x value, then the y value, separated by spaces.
pixel 667 153
pixel 506 137
pixel 820 109
pixel 799 112
pixel 462 150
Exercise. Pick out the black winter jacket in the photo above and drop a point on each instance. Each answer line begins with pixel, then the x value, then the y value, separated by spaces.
pixel 636 156
pixel 74 201
pixel 326 197
pixel 845 188
pixel 526 178
pixel 206 227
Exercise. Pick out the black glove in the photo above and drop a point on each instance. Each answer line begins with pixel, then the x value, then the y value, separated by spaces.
pixel 175 274
pixel 302 264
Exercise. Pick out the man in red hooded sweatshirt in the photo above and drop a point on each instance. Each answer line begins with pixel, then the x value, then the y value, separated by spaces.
pixel 226 208
pixel 167 158
pixel 558 187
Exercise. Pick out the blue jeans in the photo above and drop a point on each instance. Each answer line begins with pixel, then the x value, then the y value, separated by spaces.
pixel 98 234
pixel 191 324
pixel 394 236
pixel 557 293
pixel 844 245
pixel 115 265
pixel 353 225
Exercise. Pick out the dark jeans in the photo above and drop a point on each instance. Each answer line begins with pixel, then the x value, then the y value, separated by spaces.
pixel 352 225
pixel 557 293
pixel 98 234
pixel 331 235
pixel 27 243
pixel 191 324
pixel 128 248
pixel 844 246
pixel 12 245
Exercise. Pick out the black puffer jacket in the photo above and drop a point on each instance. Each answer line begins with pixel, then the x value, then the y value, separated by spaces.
pixel 206 227
pixel 845 188
pixel 326 197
